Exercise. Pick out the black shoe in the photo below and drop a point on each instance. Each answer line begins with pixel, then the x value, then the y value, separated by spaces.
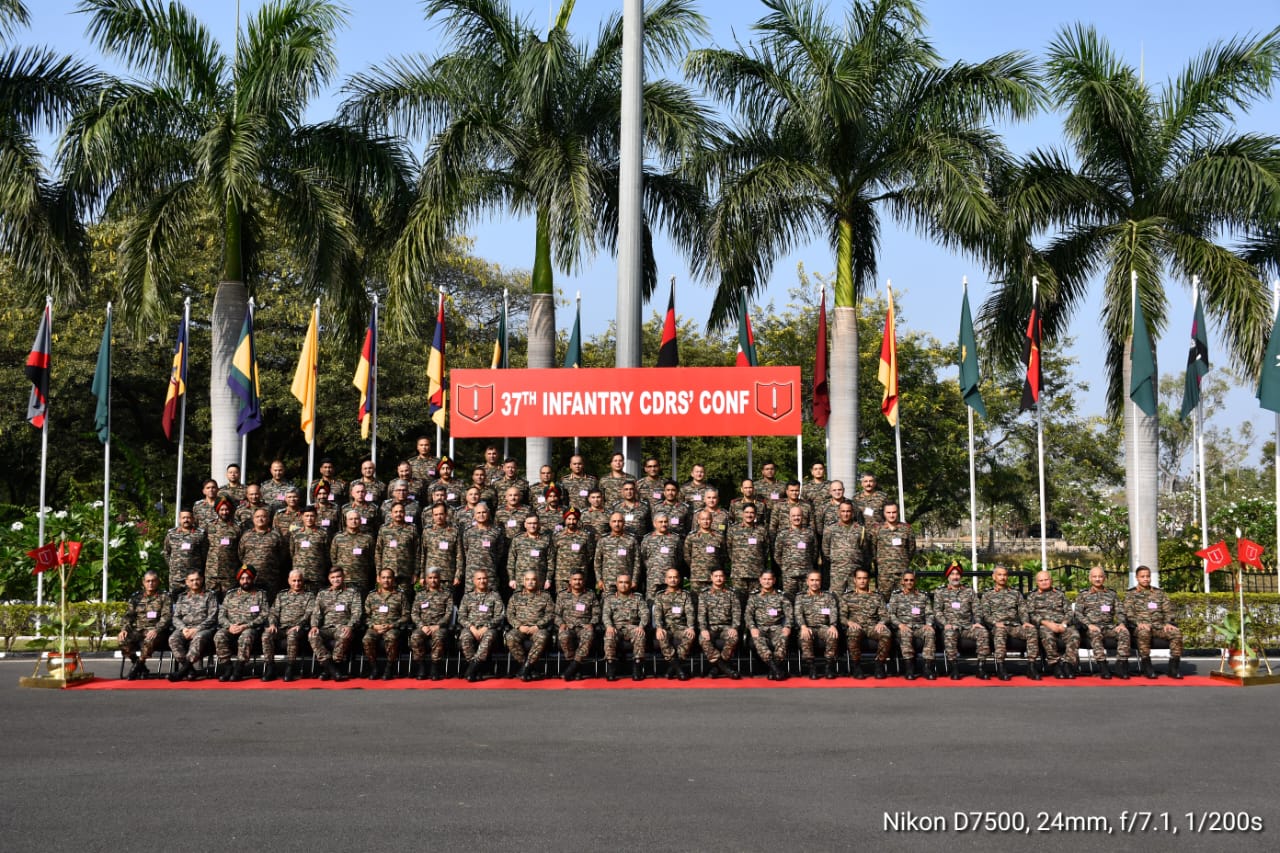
pixel 524 674
pixel 882 672
pixel 420 670
pixel 909 669
pixel 291 671
pixel 194 674
pixel 1104 670
pixel 237 671
pixel 225 675
pixel 722 669
pixel 779 674
pixel 1032 672
pixel 855 670
pixel 672 668
pixel 436 673
pixel 1060 670
pixel 611 670
pixel 326 672
pixel 812 669
pixel 1148 671
pixel 929 674
pixel 332 672
pixel 268 671
pixel 571 671
pixel 1175 665
pixel 180 673
pixel 374 674
pixel 1001 672
pixel 682 674
pixel 637 671
pixel 1070 669
pixel 388 670
pixel 139 670
pixel 955 671
pixel 472 674
pixel 1122 669
pixel 829 671
pixel 983 675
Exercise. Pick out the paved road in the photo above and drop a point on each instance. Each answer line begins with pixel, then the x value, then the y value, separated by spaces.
pixel 652 770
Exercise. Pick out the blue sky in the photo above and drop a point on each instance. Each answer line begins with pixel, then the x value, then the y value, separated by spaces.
pixel 926 278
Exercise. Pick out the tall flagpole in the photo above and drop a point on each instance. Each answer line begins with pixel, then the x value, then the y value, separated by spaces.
pixel 897 421
pixel 577 324
pixel 439 433
pixel 973 484
pixel 182 410
pixel 506 440
pixel 373 386
pixel 1197 425
pixel 1044 541
pixel 244 439
pixel 106 475
pixel 1275 310
pixel 44 463
pixel 315 393
pixel 1133 413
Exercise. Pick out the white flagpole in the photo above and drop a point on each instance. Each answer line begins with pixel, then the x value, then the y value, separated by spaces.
pixel 1275 310
pixel 373 386
pixel 106 475
pixel 506 440
pixel 577 314
pixel 44 463
pixel 315 414
pixel 253 381
pixel 1044 541
pixel 897 423
pixel 182 408
pixel 1133 410
pixel 1197 426
pixel 973 486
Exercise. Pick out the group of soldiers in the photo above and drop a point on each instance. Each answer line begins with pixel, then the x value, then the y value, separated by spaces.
pixel 499 558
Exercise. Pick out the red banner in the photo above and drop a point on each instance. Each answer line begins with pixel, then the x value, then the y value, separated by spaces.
pixel 625 401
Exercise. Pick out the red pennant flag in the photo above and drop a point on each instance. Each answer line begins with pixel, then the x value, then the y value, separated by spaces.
pixel 821 399
pixel 46 557
pixel 669 349
pixel 1031 359
pixel 1249 552
pixel 1216 556
pixel 70 555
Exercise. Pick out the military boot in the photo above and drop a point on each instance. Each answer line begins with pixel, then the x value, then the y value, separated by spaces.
pixel 983 675
pixel 682 673
pixel 374 671
pixel 472 674
pixel 225 675
pixel 637 671
pixel 1001 673
pixel 184 668
pixel 779 674
pixel 291 671
pixel 1060 669
pixel 1122 669
pixel 237 671
pixel 139 670
pixel 268 671
pixel 571 671
pixel 1070 669
pixel 882 671
pixel 909 669
pixel 611 670
pixel 929 674
pixel 955 670
pixel 1175 664
pixel 829 669
pixel 1104 670
pixel 388 670
pixel 673 667
pixel 332 669
pixel 811 669
pixel 855 669
pixel 1148 671
pixel 524 674
pixel 723 668
pixel 436 673
pixel 420 670
pixel 1032 672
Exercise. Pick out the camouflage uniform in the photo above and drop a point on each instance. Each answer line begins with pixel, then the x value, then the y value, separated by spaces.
pixel 424 468
pixel 737 505
pixel 692 494
pixel 290 610
pixel 1052 606
pixel 511 520
pixel 874 502
pixel 354 554
pixel 269 554
pixel 244 514
pixel 412 512
pixel 197 610
pixel 658 552
pixel 384 608
pixel 704 552
pixel 327 518
pixel 286 521
pixel 185 551
pixel 959 608
pixel 770 491
pixel 334 619
pixel 479 610
pixel 1008 607
pixel 397 549
pixel 769 613
pixel 530 553
pixel 529 609
pixel 482 548
pixel 577 616
pixel 821 613
pixel 635 517
pixel 492 473
pixel 650 488
pixel 749 550
pixel 628 616
pixel 674 613
pixel 865 616
pixel 892 547
pixel 375 491
pixel 780 516
pixel 146 613
pixel 842 549
pixel 1102 609
pixel 235 493
pixel 1152 608
pixel 431 609
pixel 439 549
pixel 205 513
pixel 240 608
pixel 273 493
pixel 502 484
pixel 309 551
pixel 617 555
pixel 611 487
pixel 550 519
pixel 816 493
pixel 454 490
pixel 679 517
pixel 719 614
pixel 337 490
pixel 575 551
pixel 911 614
pixel 576 488
pixel 223 560
pixel 597 521
pixel 793 554
pixel 370 516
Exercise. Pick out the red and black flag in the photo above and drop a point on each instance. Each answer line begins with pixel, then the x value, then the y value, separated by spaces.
pixel 37 370
pixel 1031 358
pixel 669 352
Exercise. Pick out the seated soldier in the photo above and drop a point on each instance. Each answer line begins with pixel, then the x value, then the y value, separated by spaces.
pixel 957 612
pixel 674 618
pixel 146 624
pixel 1150 614
pixel 719 618
pixel 1099 617
pixel 769 620
pixel 625 618
pixel 480 616
pixel 577 615
pixel 384 612
pixel 432 610
pixel 287 628
pixel 1049 609
pixel 195 616
pixel 817 615
pixel 865 616
pixel 242 617
pixel 911 614
pixel 530 613
pixel 337 614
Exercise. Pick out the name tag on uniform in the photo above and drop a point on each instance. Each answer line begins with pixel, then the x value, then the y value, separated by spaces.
pixel 357 551
pixel 151 614
pixel 664 550
pixel 657 496
pixel 631 516
pixel 751 540
pixel 364 520
pixel 449 496
pixel 622 552
pixel 541 499
pixel 868 511
pixel 324 522
pixel 1106 608
pixel 915 611
pixel 225 540
pixel 711 549
pixel 677 610
pixel 582 493
pixel 186 546
pixel 772 611
pixel 425 605
pixel 575 546
pixel 801 545
pixel 580 607
pixel 392 543
pixel 825 611
pixel 897 540
pixel 253 608
pixel 382 608
pixel 955 605
pixel 1151 605
pixel 534 552
pixel 511 522
pixel 675 522
pixel 484 542
pixel 773 496
pixel 483 608
pixel 305 543
pixel 368 496
pixel 408 519
pixel 340 607
pixel 443 546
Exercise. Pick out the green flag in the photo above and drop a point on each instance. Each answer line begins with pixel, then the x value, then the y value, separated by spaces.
pixel 102 385
pixel 968 362
pixel 1197 361
pixel 573 356
pixel 1269 385
pixel 1142 364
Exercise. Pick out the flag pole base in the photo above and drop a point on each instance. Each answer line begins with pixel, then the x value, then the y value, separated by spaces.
pixel 1245 680
pixel 68 672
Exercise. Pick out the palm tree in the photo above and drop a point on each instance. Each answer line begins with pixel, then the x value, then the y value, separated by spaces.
pixel 40 226
pixel 525 124
pixel 211 136
pixel 838 125
pixel 1154 177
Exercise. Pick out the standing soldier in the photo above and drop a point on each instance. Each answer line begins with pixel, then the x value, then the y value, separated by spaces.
pixel 273 490
pixel 546 480
pixel 781 511
pixel 616 554
pixel 531 551
pixel 577 484
pixel 749 498
pixel 1150 612
pixel 484 490
pixel 337 488
pixel 195 616
pixel 352 551
pixel 635 512
pixel 511 479
pixel 865 615
pixel 400 494
pixel 385 612
pixel 748 551
pixel 186 550
pixel 1005 612
pixel 480 617
pixel 769 620
pixel 659 551
pixel 484 548
pixel 234 489
pixel 956 607
pixel 289 519
pixel 326 511
pixel 309 549
pixel 595 517
pixel 721 518
pixel 650 485
pixel 424 464
pixel 205 510
pixel 817 488
pixel 415 489
pixel 337 614
pixel 793 550
pixel 826 512
pixel 397 549
pixel 241 618
pixel 610 484
pixel 252 503
pixel 912 617
pixel 440 545
pixel 530 613
pixel 452 486
pixel 1049 610
pixel 551 512
pixel 719 617
pixel 290 618
pixel 223 558
pixel 677 511
pixel 674 618
pixel 370 515
pixel 492 464
pixel 374 489
pixel 145 625
pixel 767 487
pixel 893 545
pixel 577 615
pixel 625 617
pixel 264 549
pixel 817 614
pixel 510 519
pixel 575 550
pixel 870 502
pixel 1098 612
pixel 693 492
pixel 432 609
pixel 842 547
pixel 704 551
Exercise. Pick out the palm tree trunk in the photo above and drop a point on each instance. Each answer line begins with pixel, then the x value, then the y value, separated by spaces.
pixel 842 426
pixel 542 333
pixel 1142 480
pixel 229 303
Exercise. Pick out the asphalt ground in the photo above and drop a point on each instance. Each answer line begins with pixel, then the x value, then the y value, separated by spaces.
pixel 190 770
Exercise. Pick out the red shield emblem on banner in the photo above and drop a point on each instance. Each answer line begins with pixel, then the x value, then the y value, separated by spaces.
pixel 473 402
pixel 774 400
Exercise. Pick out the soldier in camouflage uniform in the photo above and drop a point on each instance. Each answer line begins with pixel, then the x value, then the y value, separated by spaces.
pixel 551 512
pixel 424 464
pixel 241 618
pixel 780 513
pixel 234 490
pixel 704 550
pixel 768 619
pixel 531 551
pixel 1049 609
pixel 577 484
pixel 678 514
pixel 264 549
pixel 530 614
pixel 1098 614
pixel 1004 610
pixel 397 549
pixel 864 614
pixel 721 518
pixel 577 614
pixel 749 498
pixel 595 517
pixel 610 484
pixel 335 618
pixel 432 609
pixel 1150 612
pixel 538 491
pixel 510 519
pixel 511 479
pixel 674 620
pixel 287 626
pixel 145 625
pixel 289 519
pixel 326 511
pixel 309 549
pixel 793 550
pixel 441 542
pixel 400 494
pixel 893 545
pixel 616 554
pixel 719 615
pixel 453 488
pixel 186 548
pixel 957 612
pixel 370 515
pixel 650 485
pixel 870 502
pixel 635 512
pixel 352 550
pixel 374 489
pixel 826 513
pixel 749 550
pixel 625 616
pixel 480 618
pixel 385 612
pixel 575 550
pixel 224 550
pixel 195 616
pixel 205 510
pixel 843 547
pixel 415 489
pixel 659 551
pixel 273 490
pixel 337 488
pixel 767 488
pixel 817 615
pixel 693 492
pixel 484 491
pixel 252 503
pixel 911 615
pixel 817 488
pixel 484 548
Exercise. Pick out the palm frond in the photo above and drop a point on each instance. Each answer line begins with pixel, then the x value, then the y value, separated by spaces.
pixel 158 38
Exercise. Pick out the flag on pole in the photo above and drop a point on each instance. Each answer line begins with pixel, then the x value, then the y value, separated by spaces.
pixel 1269 383
pixel 304 378
pixel 573 355
pixel 969 377
pixel 243 378
pixel 177 380
pixel 1216 556
pixel 101 387
pixel 37 370
pixel 437 390
pixel 46 557
pixel 366 377
pixel 821 398
pixel 746 337
pixel 1031 359
pixel 69 553
pixel 1142 364
pixel 669 351
pixel 1249 552
pixel 1197 361
pixel 888 372
pixel 499 360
